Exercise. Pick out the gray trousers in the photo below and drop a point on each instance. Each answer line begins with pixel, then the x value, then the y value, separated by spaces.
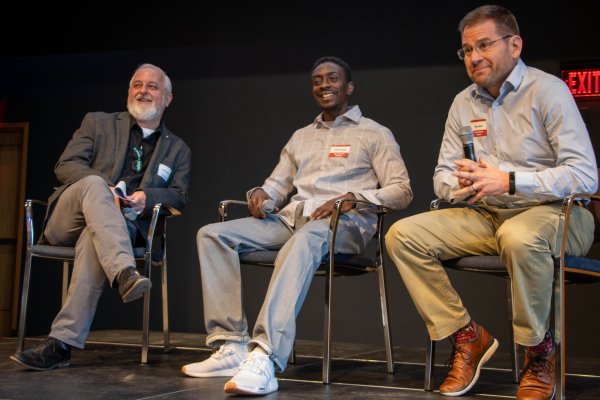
pixel 300 254
pixel 525 238
pixel 85 216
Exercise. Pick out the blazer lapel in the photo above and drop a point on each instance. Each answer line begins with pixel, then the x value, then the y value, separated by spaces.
pixel 160 152
pixel 121 144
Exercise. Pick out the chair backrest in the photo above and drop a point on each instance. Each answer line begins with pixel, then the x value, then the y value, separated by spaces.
pixel 594 208
pixel 345 264
pixel 35 212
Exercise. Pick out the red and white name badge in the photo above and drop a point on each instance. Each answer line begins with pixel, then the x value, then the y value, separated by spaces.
pixel 479 127
pixel 339 151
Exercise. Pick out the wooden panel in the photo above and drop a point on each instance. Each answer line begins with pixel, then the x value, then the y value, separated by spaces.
pixel 7 269
pixel 13 165
pixel 10 156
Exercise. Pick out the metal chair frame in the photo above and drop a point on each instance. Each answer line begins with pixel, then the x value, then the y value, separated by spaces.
pixel 568 269
pixel 338 265
pixel 158 230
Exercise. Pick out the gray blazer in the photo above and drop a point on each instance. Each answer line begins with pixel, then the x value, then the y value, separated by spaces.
pixel 100 146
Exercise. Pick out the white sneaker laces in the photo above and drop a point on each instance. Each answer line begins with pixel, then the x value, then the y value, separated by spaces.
pixel 256 364
pixel 224 351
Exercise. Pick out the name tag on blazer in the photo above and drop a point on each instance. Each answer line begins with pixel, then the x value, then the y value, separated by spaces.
pixel 164 172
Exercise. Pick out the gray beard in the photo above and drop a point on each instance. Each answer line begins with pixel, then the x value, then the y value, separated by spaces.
pixel 143 114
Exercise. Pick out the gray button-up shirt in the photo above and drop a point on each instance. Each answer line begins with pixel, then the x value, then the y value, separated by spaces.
pixel 328 159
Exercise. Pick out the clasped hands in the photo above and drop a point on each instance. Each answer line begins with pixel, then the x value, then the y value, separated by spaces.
pixel 324 211
pixel 479 179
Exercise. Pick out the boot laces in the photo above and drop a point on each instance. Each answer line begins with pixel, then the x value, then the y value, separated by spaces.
pixel 457 352
pixel 538 365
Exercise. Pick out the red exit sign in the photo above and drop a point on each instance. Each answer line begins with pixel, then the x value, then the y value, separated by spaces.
pixel 582 82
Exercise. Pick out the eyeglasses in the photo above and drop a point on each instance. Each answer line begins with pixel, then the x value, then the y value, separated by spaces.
pixel 137 159
pixel 481 47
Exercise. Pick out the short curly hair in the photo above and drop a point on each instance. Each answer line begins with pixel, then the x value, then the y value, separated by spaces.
pixel 336 60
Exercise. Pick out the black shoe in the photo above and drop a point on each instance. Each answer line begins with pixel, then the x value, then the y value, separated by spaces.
pixel 50 354
pixel 132 285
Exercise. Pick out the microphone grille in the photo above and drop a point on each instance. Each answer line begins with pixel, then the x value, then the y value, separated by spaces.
pixel 268 206
pixel 466 135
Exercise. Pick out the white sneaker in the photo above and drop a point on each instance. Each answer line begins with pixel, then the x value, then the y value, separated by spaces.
pixel 255 376
pixel 223 362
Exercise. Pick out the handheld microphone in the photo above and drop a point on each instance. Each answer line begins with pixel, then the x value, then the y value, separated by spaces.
pixel 268 206
pixel 466 137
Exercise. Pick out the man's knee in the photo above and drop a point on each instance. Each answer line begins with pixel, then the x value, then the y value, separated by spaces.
pixel 207 231
pixel 398 234
pixel 92 185
pixel 93 181
pixel 215 232
pixel 519 241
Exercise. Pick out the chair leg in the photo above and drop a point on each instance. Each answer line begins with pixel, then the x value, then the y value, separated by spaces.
pixel 559 333
pixel 387 335
pixel 514 351
pixel 146 315
pixel 165 307
pixel 327 328
pixel 24 299
pixel 429 364
pixel 65 282
pixel 292 359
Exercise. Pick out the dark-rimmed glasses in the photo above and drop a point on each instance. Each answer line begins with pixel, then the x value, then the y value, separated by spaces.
pixel 481 47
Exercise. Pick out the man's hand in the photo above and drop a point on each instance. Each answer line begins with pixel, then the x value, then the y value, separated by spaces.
pixel 485 180
pixel 326 209
pixel 255 203
pixel 137 201
pixel 463 182
pixel 117 198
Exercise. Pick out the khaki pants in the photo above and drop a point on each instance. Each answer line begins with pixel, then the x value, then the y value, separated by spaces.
pixel 525 238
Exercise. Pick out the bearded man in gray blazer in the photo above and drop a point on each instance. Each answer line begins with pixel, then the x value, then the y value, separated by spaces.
pixel 134 148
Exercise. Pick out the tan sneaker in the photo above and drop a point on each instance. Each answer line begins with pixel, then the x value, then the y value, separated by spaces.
pixel 537 379
pixel 466 361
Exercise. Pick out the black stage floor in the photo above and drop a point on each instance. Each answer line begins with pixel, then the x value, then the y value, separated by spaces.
pixel 109 368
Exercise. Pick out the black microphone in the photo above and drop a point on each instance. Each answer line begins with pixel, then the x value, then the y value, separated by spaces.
pixel 268 206
pixel 466 137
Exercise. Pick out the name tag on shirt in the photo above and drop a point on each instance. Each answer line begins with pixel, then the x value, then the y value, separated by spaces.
pixel 164 172
pixel 479 127
pixel 339 151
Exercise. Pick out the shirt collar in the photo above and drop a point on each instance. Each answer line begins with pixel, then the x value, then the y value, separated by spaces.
pixel 133 123
pixel 512 82
pixel 353 115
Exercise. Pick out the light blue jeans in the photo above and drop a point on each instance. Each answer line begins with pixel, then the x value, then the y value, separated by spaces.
pixel 300 254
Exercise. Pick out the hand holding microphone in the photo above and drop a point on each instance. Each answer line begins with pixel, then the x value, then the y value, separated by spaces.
pixel 268 206
pixel 466 137
pixel 261 204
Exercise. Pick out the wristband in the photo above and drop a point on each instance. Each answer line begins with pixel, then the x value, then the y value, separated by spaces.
pixel 511 183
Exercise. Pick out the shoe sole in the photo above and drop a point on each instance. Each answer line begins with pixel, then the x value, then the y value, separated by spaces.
pixel 137 290
pixel 233 388
pixel 486 356
pixel 215 374
pixel 57 365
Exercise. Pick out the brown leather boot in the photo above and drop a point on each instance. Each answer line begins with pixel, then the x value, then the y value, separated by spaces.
pixel 537 379
pixel 466 361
